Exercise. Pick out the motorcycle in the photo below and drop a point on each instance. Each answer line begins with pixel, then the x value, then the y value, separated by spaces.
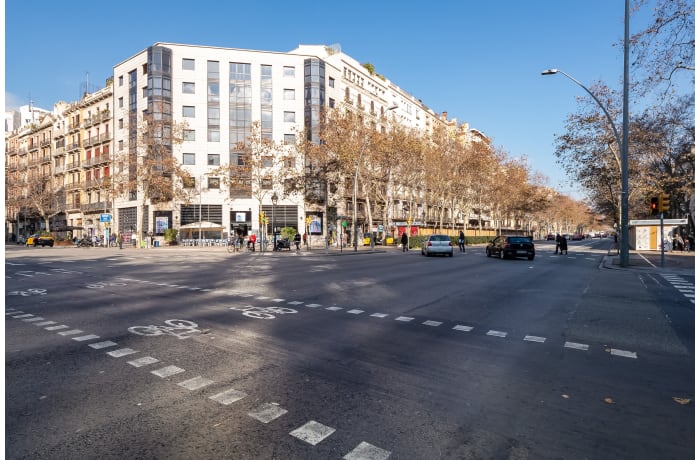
pixel 283 243
pixel 85 243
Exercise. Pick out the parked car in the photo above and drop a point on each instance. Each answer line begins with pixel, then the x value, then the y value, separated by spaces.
pixel 437 244
pixel 578 237
pixel 40 240
pixel 551 237
pixel 508 246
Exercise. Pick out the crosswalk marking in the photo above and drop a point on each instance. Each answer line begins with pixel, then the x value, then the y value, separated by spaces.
pixel 167 371
pixel 196 383
pixel 366 451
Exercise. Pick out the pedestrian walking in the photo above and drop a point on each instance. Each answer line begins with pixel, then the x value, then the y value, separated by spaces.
pixel 297 240
pixel 404 242
pixel 557 240
pixel 306 241
pixel 563 246
pixel 120 240
pixel 461 242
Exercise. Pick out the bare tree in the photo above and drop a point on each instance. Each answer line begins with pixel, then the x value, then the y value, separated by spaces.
pixel 151 169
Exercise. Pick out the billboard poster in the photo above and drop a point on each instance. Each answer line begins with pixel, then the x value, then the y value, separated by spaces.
pixel 161 225
pixel 316 223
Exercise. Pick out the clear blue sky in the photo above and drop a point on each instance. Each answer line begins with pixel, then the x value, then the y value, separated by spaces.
pixel 479 61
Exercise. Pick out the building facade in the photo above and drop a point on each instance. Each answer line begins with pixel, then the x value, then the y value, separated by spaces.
pixel 217 95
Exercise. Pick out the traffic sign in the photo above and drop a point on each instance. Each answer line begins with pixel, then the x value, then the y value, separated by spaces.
pixel 105 218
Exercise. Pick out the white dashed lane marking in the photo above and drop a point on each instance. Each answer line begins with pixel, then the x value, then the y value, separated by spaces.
pixel 267 412
pixel 105 344
pixel 196 383
pixel 121 352
pixel 312 432
pixel 366 451
pixel 497 333
pixel 229 396
pixel 167 371
pixel 576 346
pixel 145 361
pixel 534 338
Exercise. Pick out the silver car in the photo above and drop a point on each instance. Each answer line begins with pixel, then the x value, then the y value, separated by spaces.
pixel 437 244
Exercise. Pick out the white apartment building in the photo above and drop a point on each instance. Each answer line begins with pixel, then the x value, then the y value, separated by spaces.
pixel 219 93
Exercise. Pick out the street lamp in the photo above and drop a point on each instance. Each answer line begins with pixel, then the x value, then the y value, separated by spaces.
pixel 622 145
pixel 354 192
pixel 274 199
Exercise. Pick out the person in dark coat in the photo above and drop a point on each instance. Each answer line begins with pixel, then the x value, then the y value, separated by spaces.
pixel 404 242
pixel 558 243
pixel 461 242
pixel 563 246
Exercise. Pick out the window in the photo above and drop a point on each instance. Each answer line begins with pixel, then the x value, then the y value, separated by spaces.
pixel 121 123
pixel 331 102
pixel 213 159
pixel 121 102
pixel 188 87
pixel 288 71
pixel 121 145
pixel 213 182
pixel 289 139
pixel 188 135
pixel 121 80
pixel 187 64
pixel 188 158
pixel 144 91
pixel 267 161
pixel 266 183
pixel 188 111
pixel 331 82
pixel 289 117
pixel 290 162
pixel 289 95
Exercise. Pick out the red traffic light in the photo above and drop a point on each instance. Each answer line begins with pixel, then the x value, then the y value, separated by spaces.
pixel 654 205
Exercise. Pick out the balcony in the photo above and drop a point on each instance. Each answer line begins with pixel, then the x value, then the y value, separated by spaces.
pixel 105 137
pixel 60 151
pixel 33 147
pixel 60 169
pixel 100 159
pixel 45 142
pixel 74 186
pixel 99 206
pixel 73 147
pixel 73 165
pixel 70 206
pixel 46 158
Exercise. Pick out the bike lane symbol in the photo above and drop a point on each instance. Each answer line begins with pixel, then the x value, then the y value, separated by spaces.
pixel 180 328
pixel 263 312
pixel 28 292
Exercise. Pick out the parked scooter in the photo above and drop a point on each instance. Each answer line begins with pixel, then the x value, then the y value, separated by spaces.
pixel 85 243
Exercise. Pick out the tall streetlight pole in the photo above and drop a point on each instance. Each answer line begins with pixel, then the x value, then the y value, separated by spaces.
pixel 622 145
pixel 274 199
pixel 354 192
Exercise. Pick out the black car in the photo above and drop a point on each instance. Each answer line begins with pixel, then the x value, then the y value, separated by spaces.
pixel 507 246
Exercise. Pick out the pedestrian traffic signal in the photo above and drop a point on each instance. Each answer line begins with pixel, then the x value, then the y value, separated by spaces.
pixel 664 203
pixel 654 205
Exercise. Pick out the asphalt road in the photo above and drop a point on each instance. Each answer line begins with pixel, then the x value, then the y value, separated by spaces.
pixel 195 353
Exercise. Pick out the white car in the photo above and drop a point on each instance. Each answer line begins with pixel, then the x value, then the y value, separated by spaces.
pixel 437 244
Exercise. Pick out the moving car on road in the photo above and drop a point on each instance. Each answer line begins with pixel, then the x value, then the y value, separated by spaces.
pixel 437 244
pixel 510 246
pixel 40 240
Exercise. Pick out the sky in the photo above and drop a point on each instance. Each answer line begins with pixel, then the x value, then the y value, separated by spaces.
pixel 480 62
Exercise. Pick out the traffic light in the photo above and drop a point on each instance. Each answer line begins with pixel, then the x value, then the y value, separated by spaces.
pixel 664 203
pixel 654 205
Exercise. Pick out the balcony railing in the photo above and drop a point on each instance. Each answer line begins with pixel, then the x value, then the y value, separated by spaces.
pixel 59 169
pixel 73 146
pixel 99 206
pixel 96 160
pixel 59 151
pixel 74 185
pixel 45 142
pixel 73 165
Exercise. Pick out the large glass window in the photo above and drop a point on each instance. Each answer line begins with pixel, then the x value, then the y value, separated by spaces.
pixel 188 111
pixel 288 71
pixel 189 134
pixel 188 87
pixel 289 117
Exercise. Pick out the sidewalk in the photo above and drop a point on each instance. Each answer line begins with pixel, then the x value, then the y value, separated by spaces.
pixel 673 261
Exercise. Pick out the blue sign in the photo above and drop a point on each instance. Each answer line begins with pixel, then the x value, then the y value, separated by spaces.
pixel 105 218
